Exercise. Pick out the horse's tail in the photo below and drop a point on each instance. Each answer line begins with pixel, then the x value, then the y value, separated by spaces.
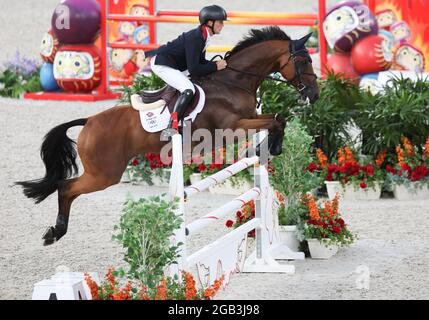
pixel 59 156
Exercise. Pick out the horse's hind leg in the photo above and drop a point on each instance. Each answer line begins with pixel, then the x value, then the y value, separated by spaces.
pixel 68 190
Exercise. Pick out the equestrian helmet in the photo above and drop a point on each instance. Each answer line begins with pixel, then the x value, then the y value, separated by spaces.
pixel 212 12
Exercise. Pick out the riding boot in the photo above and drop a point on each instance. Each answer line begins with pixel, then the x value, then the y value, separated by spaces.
pixel 180 108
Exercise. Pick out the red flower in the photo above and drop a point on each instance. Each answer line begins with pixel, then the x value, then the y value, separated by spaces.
pixel 229 223
pixel 340 221
pixel 336 230
pixel 390 169
pixel 135 162
pixel 369 170
pixel 313 167
pixel 239 214
pixel 202 167
pixel 363 185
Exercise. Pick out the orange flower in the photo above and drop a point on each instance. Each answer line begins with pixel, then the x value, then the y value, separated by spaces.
pixel 280 197
pixel 143 293
pixel 408 146
pixel 124 293
pixel 341 157
pixel 400 154
pixel 426 150
pixel 161 291
pixel 111 278
pixel 321 158
pixel 92 286
pixel 380 158
pixel 335 204
pixel 312 207
pixel 213 289
pixel 190 289
pixel 349 155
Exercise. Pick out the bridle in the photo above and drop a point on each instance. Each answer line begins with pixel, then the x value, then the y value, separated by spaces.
pixel 294 57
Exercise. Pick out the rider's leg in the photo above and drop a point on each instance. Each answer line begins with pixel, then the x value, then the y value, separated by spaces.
pixel 178 80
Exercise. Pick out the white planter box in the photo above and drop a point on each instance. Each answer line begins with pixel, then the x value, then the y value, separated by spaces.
pixel 289 238
pixel 227 187
pixel 319 250
pixel 349 192
pixel 195 177
pixel 157 181
pixel 412 192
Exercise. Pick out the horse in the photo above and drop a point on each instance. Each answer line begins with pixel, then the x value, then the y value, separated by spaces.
pixel 110 139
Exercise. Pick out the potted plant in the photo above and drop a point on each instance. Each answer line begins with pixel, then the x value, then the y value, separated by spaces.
pixel 352 179
pixel 409 178
pixel 291 180
pixel 323 228
pixel 148 169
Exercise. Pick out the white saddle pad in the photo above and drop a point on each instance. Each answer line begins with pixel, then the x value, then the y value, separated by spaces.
pixel 157 119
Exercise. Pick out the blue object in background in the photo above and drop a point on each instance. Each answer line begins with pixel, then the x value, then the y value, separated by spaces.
pixel 47 79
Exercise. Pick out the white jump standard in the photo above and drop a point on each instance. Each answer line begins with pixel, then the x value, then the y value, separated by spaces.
pixel 227 255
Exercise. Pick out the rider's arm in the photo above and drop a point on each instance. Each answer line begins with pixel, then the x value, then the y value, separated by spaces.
pixel 194 47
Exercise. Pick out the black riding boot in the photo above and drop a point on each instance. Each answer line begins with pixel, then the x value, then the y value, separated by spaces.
pixel 180 107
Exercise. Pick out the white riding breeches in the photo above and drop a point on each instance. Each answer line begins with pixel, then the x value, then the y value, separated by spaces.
pixel 173 77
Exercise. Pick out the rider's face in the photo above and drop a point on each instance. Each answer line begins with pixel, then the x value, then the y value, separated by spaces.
pixel 217 26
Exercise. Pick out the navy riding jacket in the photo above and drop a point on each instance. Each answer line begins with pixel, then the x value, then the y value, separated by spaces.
pixel 186 52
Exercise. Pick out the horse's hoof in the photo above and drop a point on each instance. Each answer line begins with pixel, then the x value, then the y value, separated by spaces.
pixel 49 236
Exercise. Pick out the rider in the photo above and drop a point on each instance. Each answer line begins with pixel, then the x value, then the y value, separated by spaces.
pixel 187 53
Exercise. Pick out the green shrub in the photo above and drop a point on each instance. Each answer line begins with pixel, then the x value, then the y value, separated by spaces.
pixel 145 232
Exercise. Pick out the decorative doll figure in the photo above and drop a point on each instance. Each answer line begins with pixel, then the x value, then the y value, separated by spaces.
pixel 410 58
pixel 348 22
pixel 119 57
pixel 339 23
pixel 401 32
pixel 139 10
pixel 49 47
pixel 70 64
pixel 126 29
pixel 388 44
pixel 385 18
pixel 77 68
pixel 141 34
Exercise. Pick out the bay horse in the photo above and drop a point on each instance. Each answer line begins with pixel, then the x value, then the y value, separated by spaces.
pixel 111 138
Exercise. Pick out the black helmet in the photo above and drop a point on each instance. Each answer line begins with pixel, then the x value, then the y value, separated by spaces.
pixel 213 12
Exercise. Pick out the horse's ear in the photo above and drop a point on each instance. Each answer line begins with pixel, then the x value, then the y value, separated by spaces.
pixel 300 43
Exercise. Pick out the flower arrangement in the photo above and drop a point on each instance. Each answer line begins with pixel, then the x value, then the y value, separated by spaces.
pixel 245 214
pixel 18 76
pixel 347 169
pixel 412 166
pixel 167 289
pixel 325 223
pixel 143 167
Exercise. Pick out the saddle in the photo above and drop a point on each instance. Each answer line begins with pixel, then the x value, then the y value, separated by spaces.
pixel 166 96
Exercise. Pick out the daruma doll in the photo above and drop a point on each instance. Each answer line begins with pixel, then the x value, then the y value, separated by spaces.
pixel 369 56
pixel 348 22
pixel 49 46
pixel 77 68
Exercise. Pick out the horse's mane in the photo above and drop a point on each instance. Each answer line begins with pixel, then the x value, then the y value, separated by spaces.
pixel 259 35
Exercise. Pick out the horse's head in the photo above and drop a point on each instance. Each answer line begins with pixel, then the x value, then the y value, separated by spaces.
pixel 296 67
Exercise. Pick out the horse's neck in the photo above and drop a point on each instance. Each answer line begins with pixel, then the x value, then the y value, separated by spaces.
pixel 258 60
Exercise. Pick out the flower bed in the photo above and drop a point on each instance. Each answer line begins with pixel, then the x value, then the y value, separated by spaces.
pixel 349 177
pixel 409 177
